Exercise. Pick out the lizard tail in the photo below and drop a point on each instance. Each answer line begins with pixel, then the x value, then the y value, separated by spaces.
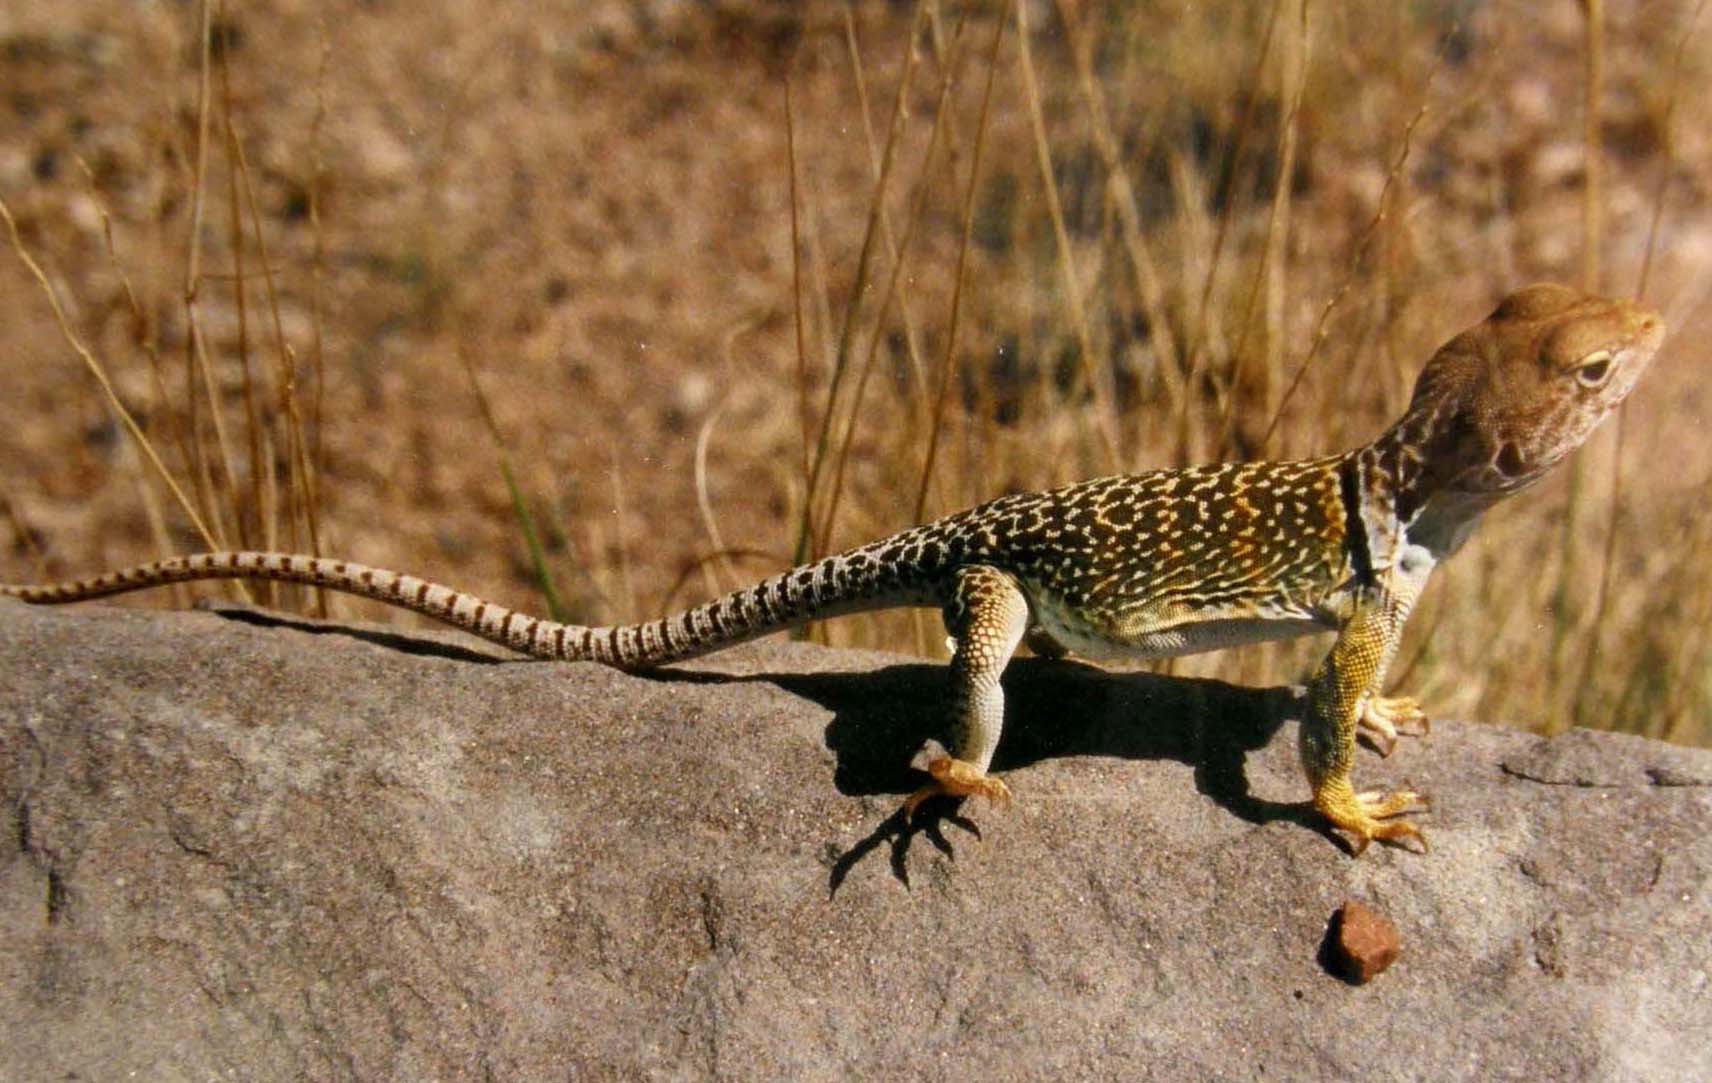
pixel 850 582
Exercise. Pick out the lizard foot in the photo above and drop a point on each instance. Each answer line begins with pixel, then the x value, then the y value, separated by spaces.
pixel 1384 717
pixel 957 778
pixel 1367 816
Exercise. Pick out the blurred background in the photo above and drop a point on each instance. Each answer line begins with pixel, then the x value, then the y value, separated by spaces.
pixel 604 307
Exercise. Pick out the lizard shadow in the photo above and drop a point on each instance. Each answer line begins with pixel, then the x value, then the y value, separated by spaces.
pixel 1053 708
pixel 882 720
pixel 403 642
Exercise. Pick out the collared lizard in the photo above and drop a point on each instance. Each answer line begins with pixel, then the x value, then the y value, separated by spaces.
pixel 1149 565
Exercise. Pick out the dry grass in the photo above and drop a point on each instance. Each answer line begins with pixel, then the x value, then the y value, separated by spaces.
pixel 971 262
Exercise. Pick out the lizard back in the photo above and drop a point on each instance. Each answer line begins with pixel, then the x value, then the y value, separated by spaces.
pixel 1176 561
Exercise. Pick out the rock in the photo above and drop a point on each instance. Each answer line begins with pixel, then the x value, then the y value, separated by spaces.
pixel 1584 758
pixel 1363 942
pixel 264 847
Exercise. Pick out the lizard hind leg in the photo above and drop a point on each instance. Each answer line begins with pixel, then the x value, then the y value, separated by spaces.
pixel 986 616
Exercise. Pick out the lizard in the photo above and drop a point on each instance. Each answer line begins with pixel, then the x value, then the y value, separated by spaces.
pixel 1149 565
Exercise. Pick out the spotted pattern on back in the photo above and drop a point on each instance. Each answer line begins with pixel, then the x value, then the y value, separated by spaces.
pixel 1120 555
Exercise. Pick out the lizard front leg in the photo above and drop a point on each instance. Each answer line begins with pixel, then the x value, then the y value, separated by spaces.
pixel 1338 697
pixel 986 617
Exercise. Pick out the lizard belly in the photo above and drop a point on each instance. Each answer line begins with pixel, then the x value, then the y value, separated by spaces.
pixel 1214 631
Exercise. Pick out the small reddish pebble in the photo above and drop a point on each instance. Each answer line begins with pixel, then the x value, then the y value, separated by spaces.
pixel 1363 942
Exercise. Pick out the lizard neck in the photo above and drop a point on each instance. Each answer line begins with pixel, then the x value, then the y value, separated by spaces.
pixel 1403 483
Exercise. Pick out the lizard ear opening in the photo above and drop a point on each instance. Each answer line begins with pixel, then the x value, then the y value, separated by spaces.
pixel 1509 461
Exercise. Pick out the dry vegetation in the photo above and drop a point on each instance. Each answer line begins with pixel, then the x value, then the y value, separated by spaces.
pixel 1135 236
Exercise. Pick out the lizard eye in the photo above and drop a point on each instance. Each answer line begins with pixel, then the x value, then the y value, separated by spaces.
pixel 1594 368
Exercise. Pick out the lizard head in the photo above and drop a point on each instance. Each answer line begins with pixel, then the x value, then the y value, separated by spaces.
pixel 1502 403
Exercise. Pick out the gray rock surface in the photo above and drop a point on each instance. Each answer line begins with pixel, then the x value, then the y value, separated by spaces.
pixel 264 848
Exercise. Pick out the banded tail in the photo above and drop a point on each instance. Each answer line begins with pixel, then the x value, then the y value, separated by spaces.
pixel 852 582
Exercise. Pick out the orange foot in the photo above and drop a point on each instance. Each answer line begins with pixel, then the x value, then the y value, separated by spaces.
pixel 1367 816
pixel 957 778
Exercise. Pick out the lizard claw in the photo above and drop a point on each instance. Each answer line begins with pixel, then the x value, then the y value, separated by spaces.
pixel 1382 718
pixel 957 778
pixel 1367 816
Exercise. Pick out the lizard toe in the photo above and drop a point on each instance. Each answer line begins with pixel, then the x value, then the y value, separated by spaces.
pixel 1368 816
pixel 957 778
pixel 1383 718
